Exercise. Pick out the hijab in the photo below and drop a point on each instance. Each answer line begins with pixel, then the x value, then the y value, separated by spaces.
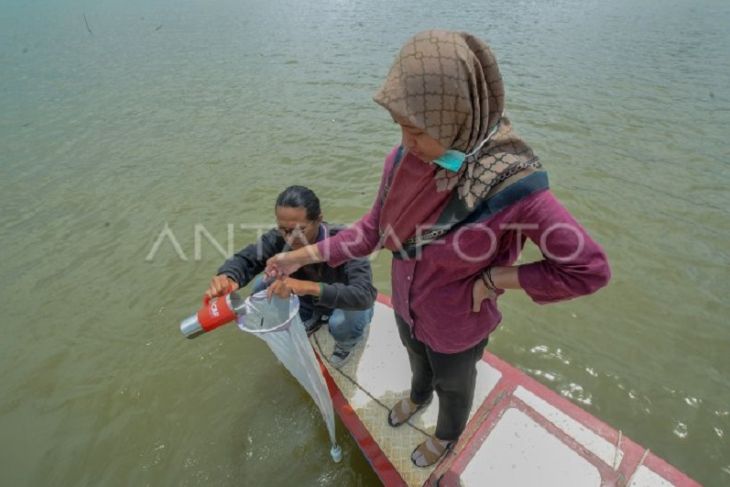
pixel 447 84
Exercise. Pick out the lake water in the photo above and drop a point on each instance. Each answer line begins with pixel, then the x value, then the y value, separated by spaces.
pixel 152 116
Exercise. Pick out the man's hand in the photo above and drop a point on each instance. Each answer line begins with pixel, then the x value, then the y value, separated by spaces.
pixel 303 288
pixel 221 285
pixel 278 288
pixel 283 288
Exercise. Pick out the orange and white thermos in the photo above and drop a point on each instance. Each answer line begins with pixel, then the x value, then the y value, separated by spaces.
pixel 213 313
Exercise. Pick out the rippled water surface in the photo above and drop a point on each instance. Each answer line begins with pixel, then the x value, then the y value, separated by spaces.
pixel 163 115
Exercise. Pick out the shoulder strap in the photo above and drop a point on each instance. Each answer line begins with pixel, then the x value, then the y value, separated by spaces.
pixel 455 214
pixel 391 175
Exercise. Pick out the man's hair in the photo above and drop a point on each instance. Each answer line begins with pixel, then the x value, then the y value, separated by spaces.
pixel 300 197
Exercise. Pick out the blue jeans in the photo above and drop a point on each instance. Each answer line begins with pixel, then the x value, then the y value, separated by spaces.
pixel 346 326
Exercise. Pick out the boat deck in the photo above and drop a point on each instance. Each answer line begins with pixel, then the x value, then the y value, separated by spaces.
pixel 519 431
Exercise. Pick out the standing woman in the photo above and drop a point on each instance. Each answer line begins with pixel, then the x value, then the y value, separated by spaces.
pixel 457 200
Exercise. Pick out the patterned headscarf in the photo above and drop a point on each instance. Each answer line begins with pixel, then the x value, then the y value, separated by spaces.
pixel 449 85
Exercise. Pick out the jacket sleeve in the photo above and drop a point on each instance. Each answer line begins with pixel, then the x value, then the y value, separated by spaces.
pixel 573 263
pixel 245 264
pixel 363 237
pixel 357 293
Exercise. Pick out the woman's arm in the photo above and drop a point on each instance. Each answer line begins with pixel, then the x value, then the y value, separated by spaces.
pixel 363 237
pixel 359 240
pixel 573 264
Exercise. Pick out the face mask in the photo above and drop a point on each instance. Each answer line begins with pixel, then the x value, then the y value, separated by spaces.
pixel 451 160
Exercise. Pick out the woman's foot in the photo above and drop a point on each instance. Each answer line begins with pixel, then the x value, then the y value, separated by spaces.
pixel 430 451
pixel 404 410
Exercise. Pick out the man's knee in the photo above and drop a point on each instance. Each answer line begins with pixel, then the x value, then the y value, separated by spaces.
pixel 345 325
pixel 338 324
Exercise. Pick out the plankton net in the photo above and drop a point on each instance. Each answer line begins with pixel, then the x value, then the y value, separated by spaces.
pixel 277 322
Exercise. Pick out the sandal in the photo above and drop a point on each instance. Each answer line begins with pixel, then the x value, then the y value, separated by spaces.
pixel 430 451
pixel 404 410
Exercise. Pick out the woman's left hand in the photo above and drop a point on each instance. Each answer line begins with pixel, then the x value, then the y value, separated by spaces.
pixel 479 293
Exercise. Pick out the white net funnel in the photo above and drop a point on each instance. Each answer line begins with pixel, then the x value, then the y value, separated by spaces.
pixel 277 322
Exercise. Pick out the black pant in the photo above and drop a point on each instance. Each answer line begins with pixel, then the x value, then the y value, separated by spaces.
pixel 452 375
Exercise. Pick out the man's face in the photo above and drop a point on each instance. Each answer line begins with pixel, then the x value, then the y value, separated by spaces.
pixel 293 225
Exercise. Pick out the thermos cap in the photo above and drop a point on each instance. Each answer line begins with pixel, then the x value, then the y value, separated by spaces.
pixel 191 327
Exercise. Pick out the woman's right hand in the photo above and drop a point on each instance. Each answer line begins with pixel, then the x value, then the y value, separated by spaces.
pixel 221 285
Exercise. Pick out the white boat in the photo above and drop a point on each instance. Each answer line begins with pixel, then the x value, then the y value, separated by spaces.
pixel 520 433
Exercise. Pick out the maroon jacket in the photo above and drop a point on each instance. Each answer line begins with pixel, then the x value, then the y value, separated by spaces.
pixel 433 294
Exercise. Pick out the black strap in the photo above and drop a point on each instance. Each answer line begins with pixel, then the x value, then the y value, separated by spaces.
pixel 391 175
pixel 455 214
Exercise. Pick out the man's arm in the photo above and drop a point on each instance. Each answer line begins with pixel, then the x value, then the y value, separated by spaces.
pixel 358 293
pixel 244 265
